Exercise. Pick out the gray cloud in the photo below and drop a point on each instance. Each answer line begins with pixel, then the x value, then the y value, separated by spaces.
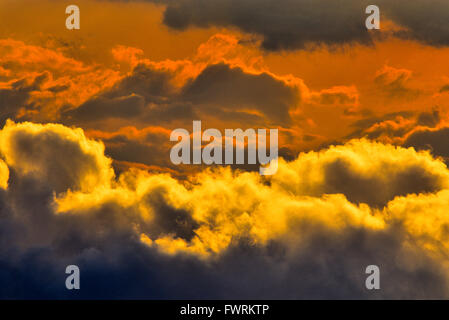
pixel 17 96
pixel 285 24
pixel 429 119
pixel 433 140
pixel 392 125
pixel 293 24
pixel 358 188
pixel 363 127
pixel 147 151
pixel 100 108
pixel 424 20
pixel 232 88
pixel 219 91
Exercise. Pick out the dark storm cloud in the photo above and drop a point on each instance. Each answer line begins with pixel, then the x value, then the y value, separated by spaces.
pixel 293 24
pixel 219 91
pixel 285 24
pixel 424 20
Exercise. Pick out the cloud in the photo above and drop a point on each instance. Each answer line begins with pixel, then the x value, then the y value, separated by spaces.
pixel 393 82
pixel 307 232
pixel 219 90
pixel 283 25
pixel 4 175
pixel 71 161
pixel 444 88
pixel 234 89
pixel 99 108
pixel 148 146
pixel 396 127
pixel 226 83
pixel 429 119
pixel 434 140
pixel 17 56
pixel 27 93
pixel 14 97
pixel 299 24
pixel 422 20
pixel 358 168
pixel 339 95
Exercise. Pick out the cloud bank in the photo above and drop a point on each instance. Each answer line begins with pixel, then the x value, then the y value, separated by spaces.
pixel 299 24
pixel 309 229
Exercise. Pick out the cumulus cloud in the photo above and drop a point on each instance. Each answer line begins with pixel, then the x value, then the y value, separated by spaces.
pixel 306 232
pixel 358 168
pixel 72 161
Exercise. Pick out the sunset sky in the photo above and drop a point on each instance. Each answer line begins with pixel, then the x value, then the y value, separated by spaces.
pixel 85 171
